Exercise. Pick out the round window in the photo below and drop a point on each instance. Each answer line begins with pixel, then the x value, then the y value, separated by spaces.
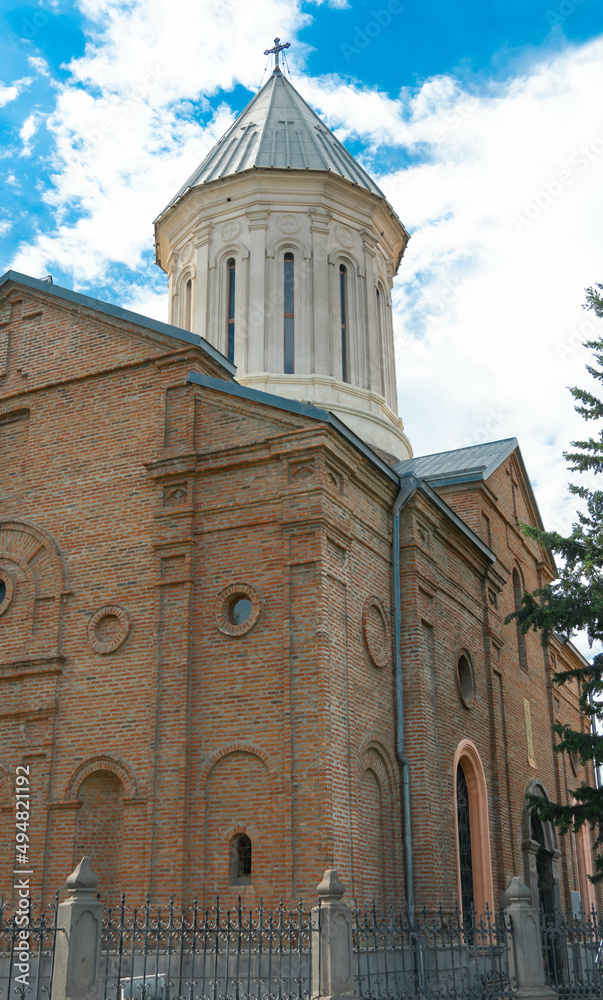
pixel 240 610
pixel 464 674
pixel 237 609
pixel 7 589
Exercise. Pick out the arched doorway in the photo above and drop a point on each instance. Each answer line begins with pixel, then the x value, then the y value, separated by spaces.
pixel 541 868
pixel 544 869
pixel 540 855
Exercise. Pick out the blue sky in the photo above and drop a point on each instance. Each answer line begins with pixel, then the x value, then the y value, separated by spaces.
pixel 482 121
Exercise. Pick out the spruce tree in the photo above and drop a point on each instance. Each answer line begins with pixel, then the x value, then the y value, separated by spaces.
pixel 574 602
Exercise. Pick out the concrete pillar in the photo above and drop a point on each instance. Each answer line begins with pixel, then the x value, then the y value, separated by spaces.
pixel 525 958
pixel 332 953
pixel 257 320
pixel 78 942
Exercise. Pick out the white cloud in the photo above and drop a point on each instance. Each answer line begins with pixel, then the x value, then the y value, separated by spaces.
pixel 8 94
pixel 39 64
pixel 506 213
pixel 27 132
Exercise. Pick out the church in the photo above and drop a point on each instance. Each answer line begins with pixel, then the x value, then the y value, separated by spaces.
pixel 245 634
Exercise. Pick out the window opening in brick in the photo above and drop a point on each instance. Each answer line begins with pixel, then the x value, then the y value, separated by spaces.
pixel 241 859
pixel 518 602
pixel 289 305
pixel 2 590
pixel 240 610
pixel 343 308
pixel 230 324
pixel 465 855
pixel 188 296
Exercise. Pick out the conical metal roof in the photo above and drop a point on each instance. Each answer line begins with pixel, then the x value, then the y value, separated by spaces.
pixel 278 130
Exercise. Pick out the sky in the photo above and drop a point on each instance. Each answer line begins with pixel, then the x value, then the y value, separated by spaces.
pixel 481 121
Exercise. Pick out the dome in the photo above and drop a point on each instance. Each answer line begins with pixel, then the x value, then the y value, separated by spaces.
pixel 278 130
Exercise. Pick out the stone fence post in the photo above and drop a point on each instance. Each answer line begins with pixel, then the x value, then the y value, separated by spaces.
pixel 78 943
pixel 526 959
pixel 332 952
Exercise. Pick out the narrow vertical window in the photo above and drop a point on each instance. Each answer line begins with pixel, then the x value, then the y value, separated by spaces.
pixel 230 323
pixel 343 305
pixel 240 860
pixel 288 328
pixel 188 295
pixel 518 602
pixel 379 318
pixel 465 855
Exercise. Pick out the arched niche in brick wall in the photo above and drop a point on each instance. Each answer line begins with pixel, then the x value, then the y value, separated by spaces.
pixel 236 792
pixel 101 791
pixel 374 855
pixel 99 829
pixel 30 625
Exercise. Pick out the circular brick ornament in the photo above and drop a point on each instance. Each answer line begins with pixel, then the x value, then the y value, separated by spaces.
pixel 229 598
pixel 108 628
pixel 465 679
pixel 6 590
pixel 375 632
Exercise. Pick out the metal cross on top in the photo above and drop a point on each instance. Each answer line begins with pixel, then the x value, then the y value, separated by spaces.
pixel 276 50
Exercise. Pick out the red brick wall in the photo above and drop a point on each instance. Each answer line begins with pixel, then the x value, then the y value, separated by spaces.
pixel 156 497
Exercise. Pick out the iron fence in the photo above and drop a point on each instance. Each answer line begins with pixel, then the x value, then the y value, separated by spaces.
pixel 154 953
pixel 572 948
pixel 432 955
pixel 27 950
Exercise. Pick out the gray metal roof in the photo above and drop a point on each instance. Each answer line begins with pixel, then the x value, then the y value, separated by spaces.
pixel 461 465
pixel 116 312
pixel 279 130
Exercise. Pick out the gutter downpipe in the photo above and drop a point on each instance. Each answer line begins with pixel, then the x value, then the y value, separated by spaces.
pixel 408 487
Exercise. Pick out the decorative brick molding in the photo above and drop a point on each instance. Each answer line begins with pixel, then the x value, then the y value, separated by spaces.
pixel 465 677
pixel 108 641
pixel 375 632
pixel 224 602
pixel 10 589
pixel 102 763
pixel 234 747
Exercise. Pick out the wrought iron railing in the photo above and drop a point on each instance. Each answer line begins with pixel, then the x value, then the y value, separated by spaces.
pixel 154 953
pixel 572 948
pixel 27 950
pixel 432 955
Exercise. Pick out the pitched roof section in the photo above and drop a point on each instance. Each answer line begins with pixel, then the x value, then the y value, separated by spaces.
pixel 462 465
pixel 278 129
pixel 116 312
